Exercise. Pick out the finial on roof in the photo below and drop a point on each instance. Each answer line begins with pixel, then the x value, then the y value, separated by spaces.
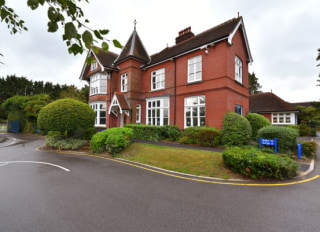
pixel 135 23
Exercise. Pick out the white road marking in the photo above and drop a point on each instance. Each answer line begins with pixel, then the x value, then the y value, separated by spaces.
pixel 35 162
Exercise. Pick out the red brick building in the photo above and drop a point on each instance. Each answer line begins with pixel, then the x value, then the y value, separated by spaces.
pixel 193 83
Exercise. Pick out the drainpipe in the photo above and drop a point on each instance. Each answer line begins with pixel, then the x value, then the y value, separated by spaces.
pixel 175 91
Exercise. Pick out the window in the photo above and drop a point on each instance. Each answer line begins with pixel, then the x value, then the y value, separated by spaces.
pixel 238 69
pixel 98 84
pixel 94 65
pixel 195 69
pixel 138 113
pixel 158 79
pixel 158 111
pixel 283 118
pixel 101 114
pixel 124 82
pixel 195 111
pixel 238 109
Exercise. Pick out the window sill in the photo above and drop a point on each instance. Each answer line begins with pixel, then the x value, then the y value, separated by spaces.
pixel 97 94
pixel 239 83
pixel 194 82
pixel 155 90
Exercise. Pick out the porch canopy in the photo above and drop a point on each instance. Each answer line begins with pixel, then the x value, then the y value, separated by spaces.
pixel 119 103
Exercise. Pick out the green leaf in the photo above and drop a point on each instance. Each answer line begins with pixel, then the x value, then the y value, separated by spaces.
pixel 95 49
pixel 90 60
pixel 52 14
pixel 104 32
pixel 75 49
pixel 105 46
pixel 2 2
pixel 87 39
pixel 52 27
pixel 4 13
pixel 70 31
pixel 97 34
pixel 116 43
pixel 33 4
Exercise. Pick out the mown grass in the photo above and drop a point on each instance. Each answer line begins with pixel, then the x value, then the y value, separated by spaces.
pixel 3 128
pixel 196 162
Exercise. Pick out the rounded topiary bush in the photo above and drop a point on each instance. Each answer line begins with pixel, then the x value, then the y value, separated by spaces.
pixel 257 121
pixel 286 137
pixel 66 115
pixel 236 130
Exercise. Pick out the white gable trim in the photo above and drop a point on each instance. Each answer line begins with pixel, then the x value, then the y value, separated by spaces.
pixel 114 102
pixel 232 34
pixel 90 53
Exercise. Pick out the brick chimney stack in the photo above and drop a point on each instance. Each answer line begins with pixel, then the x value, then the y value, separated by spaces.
pixel 184 34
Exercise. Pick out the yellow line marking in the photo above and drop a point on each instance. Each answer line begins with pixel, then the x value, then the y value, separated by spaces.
pixel 186 178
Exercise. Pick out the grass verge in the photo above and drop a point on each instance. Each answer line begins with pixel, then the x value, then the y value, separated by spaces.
pixel 196 162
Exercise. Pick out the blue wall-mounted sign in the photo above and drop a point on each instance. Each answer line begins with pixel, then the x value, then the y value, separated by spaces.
pixel 269 142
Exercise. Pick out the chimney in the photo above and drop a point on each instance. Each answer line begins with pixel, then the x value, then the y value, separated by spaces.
pixel 184 35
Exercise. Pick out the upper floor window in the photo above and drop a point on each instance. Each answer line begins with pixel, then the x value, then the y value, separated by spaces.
pixel 158 111
pixel 238 109
pixel 158 79
pixel 98 84
pixel 238 69
pixel 195 111
pixel 124 82
pixel 195 69
pixel 138 113
pixel 94 65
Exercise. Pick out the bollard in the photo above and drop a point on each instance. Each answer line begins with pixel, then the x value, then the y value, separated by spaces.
pixel 299 151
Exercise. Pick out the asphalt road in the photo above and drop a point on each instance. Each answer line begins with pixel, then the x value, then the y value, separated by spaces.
pixel 66 192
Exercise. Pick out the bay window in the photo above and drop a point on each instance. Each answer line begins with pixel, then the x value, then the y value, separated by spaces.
pixel 98 84
pixel 101 113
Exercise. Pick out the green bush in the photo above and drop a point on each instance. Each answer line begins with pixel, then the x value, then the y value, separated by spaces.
pixel 236 130
pixel 257 121
pixel 203 136
pixel 309 148
pixel 62 143
pixel 112 140
pixel 304 130
pixel 313 132
pixel 155 133
pixel 257 164
pixel 66 115
pixel 286 137
pixel 86 134
pixel 18 116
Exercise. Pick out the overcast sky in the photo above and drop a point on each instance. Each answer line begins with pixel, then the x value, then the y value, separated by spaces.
pixel 283 37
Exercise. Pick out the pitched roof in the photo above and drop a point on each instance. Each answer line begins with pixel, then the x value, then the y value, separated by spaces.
pixel 268 102
pixel 224 31
pixel 105 60
pixel 133 49
pixel 119 102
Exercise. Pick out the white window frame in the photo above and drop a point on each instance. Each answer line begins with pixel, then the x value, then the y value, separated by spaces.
pixel 239 108
pixel 98 84
pixel 158 111
pixel 98 108
pixel 283 118
pixel 138 113
pixel 124 82
pixel 195 69
pixel 94 65
pixel 192 111
pixel 238 69
pixel 158 79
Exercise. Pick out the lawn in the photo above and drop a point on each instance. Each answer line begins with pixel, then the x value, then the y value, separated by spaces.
pixel 196 162
pixel 3 128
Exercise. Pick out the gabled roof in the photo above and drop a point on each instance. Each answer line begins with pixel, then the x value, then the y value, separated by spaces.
pixel 133 49
pixel 105 60
pixel 267 103
pixel 224 31
pixel 119 102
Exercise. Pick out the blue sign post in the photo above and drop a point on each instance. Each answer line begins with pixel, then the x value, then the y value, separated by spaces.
pixel 299 151
pixel 269 142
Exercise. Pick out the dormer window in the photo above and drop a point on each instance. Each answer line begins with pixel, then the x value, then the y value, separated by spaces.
pixel 94 65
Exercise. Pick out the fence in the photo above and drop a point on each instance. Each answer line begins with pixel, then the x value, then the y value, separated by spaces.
pixel 13 126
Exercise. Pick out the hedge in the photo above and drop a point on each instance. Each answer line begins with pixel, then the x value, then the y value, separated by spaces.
pixel 257 164
pixel 112 140
pixel 236 130
pixel 66 115
pixel 203 136
pixel 309 148
pixel 286 137
pixel 155 133
pixel 257 121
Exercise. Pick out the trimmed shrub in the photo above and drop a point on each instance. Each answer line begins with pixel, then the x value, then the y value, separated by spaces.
pixel 59 141
pixel 257 121
pixel 66 115
pixel 112 140
pixel 155 133
pixel 203 136
pixel 257 164
pixel 309 148
pixel 286 137
pixel 236 130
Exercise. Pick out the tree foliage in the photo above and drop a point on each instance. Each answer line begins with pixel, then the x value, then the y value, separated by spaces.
pixel 254 86
pixel 65 14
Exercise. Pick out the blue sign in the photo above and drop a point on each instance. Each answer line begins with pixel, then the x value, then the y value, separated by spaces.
pixel 269 142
